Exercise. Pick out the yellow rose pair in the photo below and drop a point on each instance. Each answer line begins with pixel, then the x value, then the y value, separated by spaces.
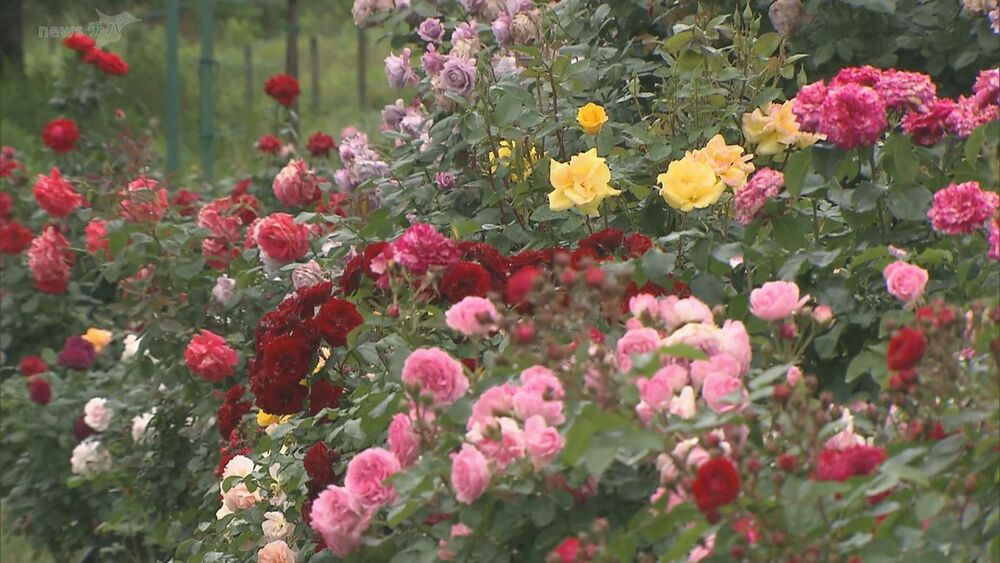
pixel 698 179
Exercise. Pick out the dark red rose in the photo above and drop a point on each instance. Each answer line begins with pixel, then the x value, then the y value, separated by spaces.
pixel 269 144
pixel 324 395
pixel 320 144
pixel 81 430
pixel 6 206
pixel 241 187
pixel 603 242
pixel 288 358
pixel 15 238
pixel 77 354
pixel 233 409
pixel 371 252
pixel 60 134
pixel 185 200
pixel 279 397
pixel 39 390
pixel 489 258
pixel 542 257
pixel 906 349
pixel 470 363
pixel 520 285
pixel 351 277
pixel 637 244
pixel 464 279
pixel 79 42
pixel 568 550
pixel 318 462
pixel 841 465
pixel 716 484
pixel 335 319
pixel 585 255
pixel 33 365
pixel 283 88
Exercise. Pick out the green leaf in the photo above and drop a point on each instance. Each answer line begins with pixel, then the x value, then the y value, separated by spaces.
pixel 508 108
pixel 765 45
pixel 795 171
pixel 929 505
pixel 788 232
pixel 909 203
pixel 863 363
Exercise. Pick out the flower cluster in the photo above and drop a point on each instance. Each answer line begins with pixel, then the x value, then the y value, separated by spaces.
pixel 361 162
pixel 109 63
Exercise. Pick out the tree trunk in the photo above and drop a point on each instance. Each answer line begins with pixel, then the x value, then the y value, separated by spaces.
pixel 11 46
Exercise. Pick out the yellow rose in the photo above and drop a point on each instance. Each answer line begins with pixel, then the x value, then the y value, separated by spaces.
pixel 324 353
pixel 690 183
pixel 581 182
pixel 774 129
pixel 727 161
pixel 505 154
pixel 592 118
pixel 264 419
pixel 99 338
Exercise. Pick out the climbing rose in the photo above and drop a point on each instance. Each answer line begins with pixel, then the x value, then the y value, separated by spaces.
pixel 209 357
pixel 60 134
pixel 56 195
pixel 283 88
pixel 960 209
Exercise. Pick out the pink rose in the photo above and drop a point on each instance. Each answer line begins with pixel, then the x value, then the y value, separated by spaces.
pixel 422 247
pixel 470 474
pixel 644 303
pixel 457 531
pixel 472 315
pixel 142 201
pixel 722 364
pixel 297 185
pixel 56 195
pixel 823 314
pixel 280 239
pixel 366 475
pixel 679 312
pixel 541 380
pixel 528 403
pixel 209 357
pixel 636 341
pixel 404 441
pixel 96 235
pixel 338 516
pixel 543 442
pixel 794 375
pixel 687 452
pixel 50 260
pixel 716 390
pixel 776 300
pixel 437 374
pixel 904 281
pixel 735 342
pixel 494 402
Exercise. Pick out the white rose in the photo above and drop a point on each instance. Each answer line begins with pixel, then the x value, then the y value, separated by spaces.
pixel 139 424
pixel 275 527
pixel 131 346
pixel 97 414
pixel 90 457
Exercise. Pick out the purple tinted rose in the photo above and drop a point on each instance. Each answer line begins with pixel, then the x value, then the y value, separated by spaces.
pixel 398 70
pixel 458 76
pixel 392 115
pixel 432 61
pixel 466 31
pixel 412 123
pixel 444 180
pixel 473 6
pixel 431 30
pixel 77 354
pixel 501 29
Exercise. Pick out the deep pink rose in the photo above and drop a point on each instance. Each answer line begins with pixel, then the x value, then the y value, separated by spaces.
pixel 542 442
pixel 340 519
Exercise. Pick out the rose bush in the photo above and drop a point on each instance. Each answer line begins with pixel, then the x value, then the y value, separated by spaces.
pixel 620 283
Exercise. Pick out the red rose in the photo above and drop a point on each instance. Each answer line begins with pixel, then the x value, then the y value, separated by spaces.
pixel 14 238
pixel 283 88
pixel 318 462
pixel 185 201
pixel 716 484
pixel 637 244
pixel 209 357
pixel 335 319
pixel 603 242
pixel 464 279
pixel 840 465
pixel 533 258
pixel 108 62
pixel 324 395
pixel 143 201
pixel 287 359
pixel 6 206
pixel 60 134
pixel 79 42
pixel 568 550
pixel 33 365
pixel 233 409
pixel 335 206
pixel 39 390
pixel 906 349
pixel 520 284
pixel 81 430
pixel 320 144
pixel 96 235
pixel 268 144
pixel 56 195
pixel 277 397
pixel 489 258
pixel 281 239
pixel 241 187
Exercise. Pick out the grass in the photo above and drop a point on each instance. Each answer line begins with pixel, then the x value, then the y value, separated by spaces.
pixel 15 548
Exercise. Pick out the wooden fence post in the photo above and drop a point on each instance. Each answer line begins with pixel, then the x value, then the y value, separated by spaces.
pixel 206 97
pixel 314 72
pixel 292 54
pixel 173 117
pixel 248 73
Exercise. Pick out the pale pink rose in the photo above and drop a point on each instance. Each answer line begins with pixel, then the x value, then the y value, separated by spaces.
pixel 276 552
pixel 529 402
pixel 98 414
pixel 366 476
pixel 683 405
pixel 702 550
pixel 823 314
pixel 722 364
pixel 677 313
pixel 457 531
pixel 238 497
pixel 636 341
pixel 494 402
pixel 436 374
pixel 403 440
pixel 470 474
pixel 340 519
pixel 644 303
pixel 657 392
pixel 735 342
pixel 776 300
pixel 716 390
pixel 297 185
pixel 688 452
pixel 543 442
pixel 904 281
pixel 511 441
pixel 794 375
pixel 705 337
pixel 472 315
pixel 541 380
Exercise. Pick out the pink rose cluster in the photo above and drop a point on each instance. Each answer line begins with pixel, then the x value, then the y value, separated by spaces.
pixel 225 218
pixel 765 185
pixel 675 387
pixel 297 185
pixel 509 422
pixel 361 162
pixel 143 201
pixel 209 357
pixel 422 247
pixel 961 209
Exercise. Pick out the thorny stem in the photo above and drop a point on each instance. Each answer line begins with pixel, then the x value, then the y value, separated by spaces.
pixel 555 113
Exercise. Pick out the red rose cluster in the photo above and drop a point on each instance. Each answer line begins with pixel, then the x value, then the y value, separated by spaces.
pixel 108 62
pixel 841 464
pixel 227 219
pixel 287 340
